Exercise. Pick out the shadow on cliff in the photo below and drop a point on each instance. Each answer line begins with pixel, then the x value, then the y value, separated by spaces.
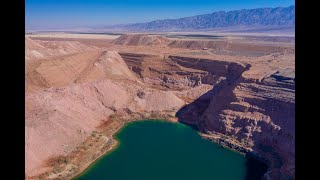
pixel 255 168
pixel 191 115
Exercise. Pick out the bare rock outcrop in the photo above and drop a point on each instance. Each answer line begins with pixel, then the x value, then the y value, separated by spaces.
pixel 259 115
pixel 72 89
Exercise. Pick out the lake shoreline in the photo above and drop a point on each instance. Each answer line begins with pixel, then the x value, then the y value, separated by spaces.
pixel 138 136
pixel 114 146
pixel 80 170
pixel 232 144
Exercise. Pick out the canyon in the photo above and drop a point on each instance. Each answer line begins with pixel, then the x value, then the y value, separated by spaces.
pixel 239 90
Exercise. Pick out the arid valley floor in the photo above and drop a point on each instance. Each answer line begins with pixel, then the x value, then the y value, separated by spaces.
pixel 81 88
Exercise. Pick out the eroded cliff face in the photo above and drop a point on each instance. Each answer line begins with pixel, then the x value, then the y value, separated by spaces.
pixel 73 92
pixel 68 97
pixel 259 114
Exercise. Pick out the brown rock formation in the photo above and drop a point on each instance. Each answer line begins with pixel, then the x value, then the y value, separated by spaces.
pixel 259 115
pixel 73 89
pixel 77 93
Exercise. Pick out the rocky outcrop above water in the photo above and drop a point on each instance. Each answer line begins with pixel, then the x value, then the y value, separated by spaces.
pixel 74 92
pixel 259 115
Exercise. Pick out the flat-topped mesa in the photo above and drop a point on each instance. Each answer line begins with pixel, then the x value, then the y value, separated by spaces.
pixel 199 44
pixel 140 40
pixel 229 46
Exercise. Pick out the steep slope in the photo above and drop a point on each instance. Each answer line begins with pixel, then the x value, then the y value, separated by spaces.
pixel 58 120
pixel 77 68
pixel 255 111
pixel 109 64
pixel 69 97
pixel 257 114
pixel 76 101
pixel 35 49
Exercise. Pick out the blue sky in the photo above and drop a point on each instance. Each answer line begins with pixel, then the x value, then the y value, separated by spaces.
pixel 72 13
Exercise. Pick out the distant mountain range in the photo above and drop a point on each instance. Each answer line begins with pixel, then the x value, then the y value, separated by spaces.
pixel 280 19
pixel 245 19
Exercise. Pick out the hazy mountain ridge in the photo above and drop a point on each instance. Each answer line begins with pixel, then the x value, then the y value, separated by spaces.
pixel 282 17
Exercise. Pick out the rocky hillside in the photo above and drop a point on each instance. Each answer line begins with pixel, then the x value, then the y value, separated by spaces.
pixel 260 18
pixel 77 96
pixel 35 49
pixel 259 114
pixel 68 97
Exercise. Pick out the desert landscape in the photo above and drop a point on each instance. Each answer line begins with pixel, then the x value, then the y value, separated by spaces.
pixel 235 89
pixel 139 89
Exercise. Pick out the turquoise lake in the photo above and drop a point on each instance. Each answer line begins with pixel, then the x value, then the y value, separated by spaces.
pixel 160 150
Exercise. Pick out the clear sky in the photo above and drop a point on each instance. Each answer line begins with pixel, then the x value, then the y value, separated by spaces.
pixel 73 13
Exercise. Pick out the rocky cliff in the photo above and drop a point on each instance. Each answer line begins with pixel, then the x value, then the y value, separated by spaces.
pixel 259 114
pixel 73 93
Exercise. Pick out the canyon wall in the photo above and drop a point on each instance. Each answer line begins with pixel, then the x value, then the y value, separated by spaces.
pixel 259 114
pixel 72 89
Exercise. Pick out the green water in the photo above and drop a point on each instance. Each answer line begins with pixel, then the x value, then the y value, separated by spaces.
pixel 159 150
